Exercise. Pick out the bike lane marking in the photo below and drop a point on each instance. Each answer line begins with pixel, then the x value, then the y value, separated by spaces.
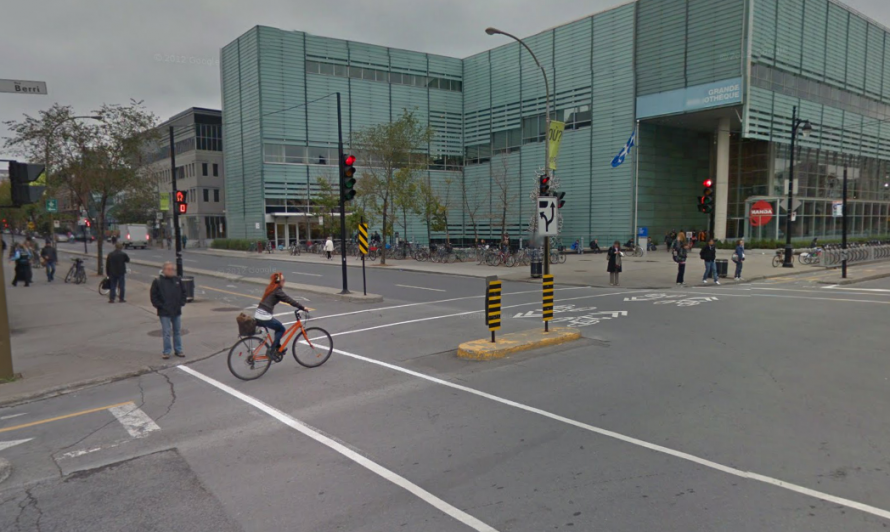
pixel 749 475
pixel 342 449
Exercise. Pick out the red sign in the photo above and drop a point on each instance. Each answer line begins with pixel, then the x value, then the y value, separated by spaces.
pixel 761 213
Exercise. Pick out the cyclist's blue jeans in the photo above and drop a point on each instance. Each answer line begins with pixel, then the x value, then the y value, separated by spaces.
pixel 170 327
pixel 276 326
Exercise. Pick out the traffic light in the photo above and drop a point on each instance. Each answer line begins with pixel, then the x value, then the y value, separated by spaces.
pixel 560 200
pixel 544 185
pixel 182 207
pixel 706 200
pixel 87 223
pixel 27 182
pixel 347 177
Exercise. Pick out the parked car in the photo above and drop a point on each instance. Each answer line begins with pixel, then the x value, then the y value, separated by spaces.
pixel 78 237
pixel 134 235
pixel 62 237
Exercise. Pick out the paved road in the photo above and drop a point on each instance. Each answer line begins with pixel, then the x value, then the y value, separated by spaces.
pixel 749 407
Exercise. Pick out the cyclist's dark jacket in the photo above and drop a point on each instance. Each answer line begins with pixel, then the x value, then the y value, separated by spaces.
pixel 278 296
pixel 168 296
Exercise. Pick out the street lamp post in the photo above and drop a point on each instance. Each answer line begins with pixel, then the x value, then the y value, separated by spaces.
pixel 495 31
pixel 804 127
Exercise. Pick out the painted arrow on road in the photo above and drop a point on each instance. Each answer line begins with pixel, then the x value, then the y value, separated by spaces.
pixel 529 314
pixel 13 443
pixel 612 313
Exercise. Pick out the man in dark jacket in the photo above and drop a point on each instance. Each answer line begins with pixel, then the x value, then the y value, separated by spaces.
pixel 116 269
pixel 168 296
pixel 709 255
pixel 50 258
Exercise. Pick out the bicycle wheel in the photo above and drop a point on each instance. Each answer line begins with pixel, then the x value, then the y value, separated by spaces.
pixel 80 277
pixel 317 349
pixel 247 358
pixel 777 261
pixel 70 275
pixel 510 261
pixel 104 286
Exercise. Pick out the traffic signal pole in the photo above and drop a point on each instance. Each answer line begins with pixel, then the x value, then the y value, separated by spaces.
pixel 176 232
pixel 342 198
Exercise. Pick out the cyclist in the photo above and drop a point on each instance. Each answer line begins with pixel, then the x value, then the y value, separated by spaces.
pixel 272 296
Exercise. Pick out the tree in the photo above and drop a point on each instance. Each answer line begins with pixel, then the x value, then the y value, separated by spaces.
pixel 137 205
pixel 472 203
pixel 434 206
pixel 385 149
pixel 405 198
pixel 504 194
pixel 327 202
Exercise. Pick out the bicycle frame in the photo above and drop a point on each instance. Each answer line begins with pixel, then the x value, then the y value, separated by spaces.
pixel 289 334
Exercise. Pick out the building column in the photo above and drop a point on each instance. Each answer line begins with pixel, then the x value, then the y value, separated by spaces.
pixel 721 187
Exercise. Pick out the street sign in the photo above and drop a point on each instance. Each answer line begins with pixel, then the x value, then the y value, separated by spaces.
pixel 363 238
pixel 784 204
pixel 555 139
pixel 165 202
pixel 159 216
pixel 837 209
pixel 31 226
pixel 52 205
pixel 492 304
pixel 796 186
pixel 642 232
pixel 81 222
pixel 56 224
pixel 547 293
pixel 548 224
pixel 23 87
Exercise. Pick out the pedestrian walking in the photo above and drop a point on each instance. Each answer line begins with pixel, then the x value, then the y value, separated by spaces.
pixel 739 258
pixel 50 258
pixel 329 246
pixel 185 240
pixel 680 255
pixel 709 255
pixel 614 267
pixel 168 297
pixel 116 269
pixel 21 258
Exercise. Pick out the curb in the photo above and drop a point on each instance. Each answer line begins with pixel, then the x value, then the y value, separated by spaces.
pixel 511 343
pixel 859 280
pixel 64 389
pixel 311 289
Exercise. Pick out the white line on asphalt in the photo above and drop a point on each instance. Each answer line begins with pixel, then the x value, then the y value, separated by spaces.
pixel 13 443
pixel 847 288
pixel 137 422
pixel 309 274
pixel 852 291
pixel 81 452
pixel 437 302
pixel 13 415
pixel 190 260
pixel 421 288
pixel 384 326
pixel 629 439
pixel 336 446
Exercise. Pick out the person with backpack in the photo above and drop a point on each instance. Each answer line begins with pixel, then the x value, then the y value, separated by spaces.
pixel 709 255
pixel 739 258
pixel 21 257
pixel 680 255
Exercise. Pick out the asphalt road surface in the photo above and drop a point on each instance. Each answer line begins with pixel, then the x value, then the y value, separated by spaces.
pixel 759 406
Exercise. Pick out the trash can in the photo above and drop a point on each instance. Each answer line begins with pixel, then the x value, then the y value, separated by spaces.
pixel 722 267
pixel 537 268
pixel 189 283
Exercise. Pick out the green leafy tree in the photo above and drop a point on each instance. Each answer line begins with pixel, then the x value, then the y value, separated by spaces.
pixel 405 200
pixel 383 151
pixel 327 202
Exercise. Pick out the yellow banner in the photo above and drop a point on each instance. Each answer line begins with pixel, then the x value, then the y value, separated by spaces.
pixel 554 137
pixel 165 202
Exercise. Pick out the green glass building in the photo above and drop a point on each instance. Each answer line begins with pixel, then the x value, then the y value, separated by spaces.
pixel 708 86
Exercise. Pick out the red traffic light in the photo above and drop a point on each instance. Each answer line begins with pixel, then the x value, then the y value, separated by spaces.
pixel 349 160
pixel 708 183
pixel 180 196
pixel 183 208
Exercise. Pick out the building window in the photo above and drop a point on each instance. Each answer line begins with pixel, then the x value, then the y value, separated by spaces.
pixel 377 74
pixel 204 169
pixel 577 117
pixel 206 195
pixel 216 195
pixel 215 170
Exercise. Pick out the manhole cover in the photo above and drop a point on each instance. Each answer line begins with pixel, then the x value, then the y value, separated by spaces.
pixel 225 309
pixel 159 333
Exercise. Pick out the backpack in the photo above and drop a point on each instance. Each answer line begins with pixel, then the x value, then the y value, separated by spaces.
pixel 24 257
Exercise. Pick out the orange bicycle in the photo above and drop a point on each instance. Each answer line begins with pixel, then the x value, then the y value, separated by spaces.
pixel 251 356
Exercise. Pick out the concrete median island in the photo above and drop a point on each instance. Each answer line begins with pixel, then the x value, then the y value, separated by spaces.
pixel 508 344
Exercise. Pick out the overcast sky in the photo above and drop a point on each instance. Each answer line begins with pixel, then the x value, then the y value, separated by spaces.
pixel 107 51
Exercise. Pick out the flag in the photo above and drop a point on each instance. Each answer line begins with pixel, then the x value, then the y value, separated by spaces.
pixel 625 151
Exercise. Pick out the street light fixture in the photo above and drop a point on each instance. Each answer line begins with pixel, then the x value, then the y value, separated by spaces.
pixel 804 128
pixel 495 31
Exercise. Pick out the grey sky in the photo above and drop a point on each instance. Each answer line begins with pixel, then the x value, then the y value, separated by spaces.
pixel 106 51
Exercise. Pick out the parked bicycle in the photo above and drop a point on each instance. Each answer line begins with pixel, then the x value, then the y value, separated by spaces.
pixel 76 274
pixel 251 356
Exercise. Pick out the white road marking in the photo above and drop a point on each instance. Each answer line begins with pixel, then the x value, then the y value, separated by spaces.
pixel 81 452
pixel 421 288
pixel 137 422
pixel 13 415
pixel 430 318
pixel 309 274
pixel 851 291
pixel 629 439
pixel 12 443
pixel 336 446
pixel 847 288
pixel 190 260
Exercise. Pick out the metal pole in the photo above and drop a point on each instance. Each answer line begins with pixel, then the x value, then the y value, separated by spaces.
pixel 176 233
pixel 364 279
pixel 85 250
pixel 342 199
pixel 789 251
pixel 6 371
pixel 844 225
pixel 546 151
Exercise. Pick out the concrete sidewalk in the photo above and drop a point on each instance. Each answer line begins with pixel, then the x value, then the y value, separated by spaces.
pixel 655 270
pixel 66 336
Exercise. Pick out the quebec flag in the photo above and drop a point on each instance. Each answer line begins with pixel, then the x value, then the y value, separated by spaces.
pixel 625 151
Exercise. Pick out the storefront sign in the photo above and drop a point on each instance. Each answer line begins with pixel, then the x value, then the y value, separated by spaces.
pixel 761 213
pixel 707 96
